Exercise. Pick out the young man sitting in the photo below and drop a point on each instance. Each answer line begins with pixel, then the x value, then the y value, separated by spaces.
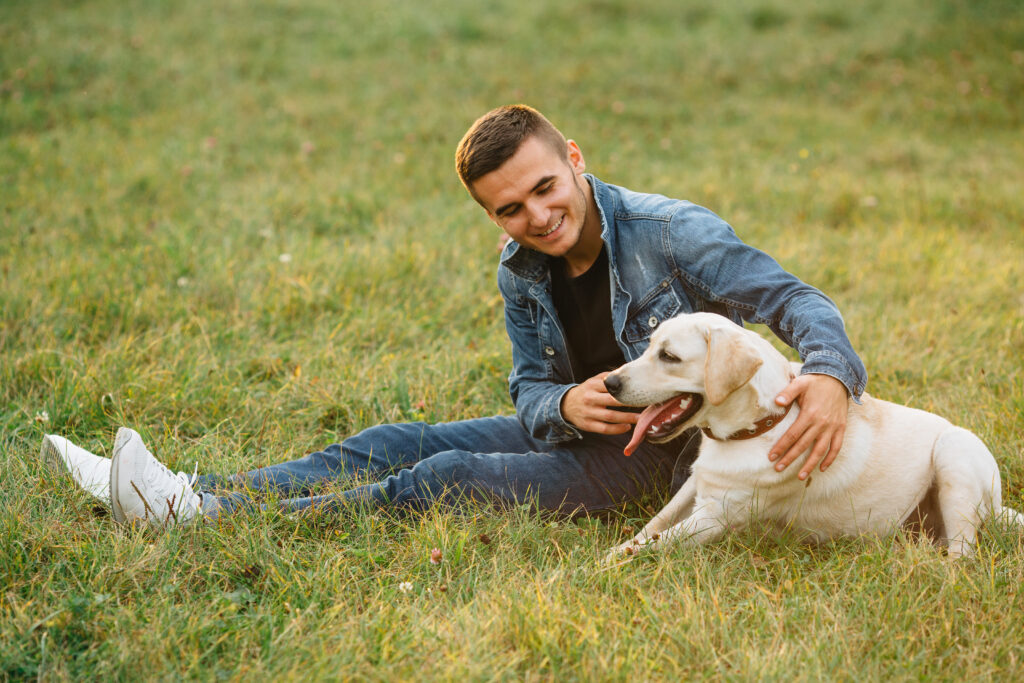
pixel 590 271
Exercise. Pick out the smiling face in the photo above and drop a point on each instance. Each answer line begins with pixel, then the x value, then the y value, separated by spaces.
pixel 540 199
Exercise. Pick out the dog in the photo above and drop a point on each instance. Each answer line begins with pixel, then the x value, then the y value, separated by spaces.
pixel 898 466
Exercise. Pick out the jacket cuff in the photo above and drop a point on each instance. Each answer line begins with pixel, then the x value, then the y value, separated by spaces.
pixel 834 365
pixel 558 428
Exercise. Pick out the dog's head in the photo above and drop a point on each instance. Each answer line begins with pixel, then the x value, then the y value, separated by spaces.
pixel 694 364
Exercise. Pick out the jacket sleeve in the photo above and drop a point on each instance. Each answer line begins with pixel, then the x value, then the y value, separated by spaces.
pixel 535 389
pixel 754 287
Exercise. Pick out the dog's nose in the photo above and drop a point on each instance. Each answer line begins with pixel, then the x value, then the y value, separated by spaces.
pixel 613 383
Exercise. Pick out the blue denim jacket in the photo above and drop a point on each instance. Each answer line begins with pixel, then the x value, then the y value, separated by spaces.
pixel 667 257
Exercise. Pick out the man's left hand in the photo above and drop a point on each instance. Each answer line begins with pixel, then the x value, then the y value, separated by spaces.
pixel 823 402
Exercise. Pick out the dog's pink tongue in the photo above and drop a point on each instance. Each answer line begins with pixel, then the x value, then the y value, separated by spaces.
pixel 647 418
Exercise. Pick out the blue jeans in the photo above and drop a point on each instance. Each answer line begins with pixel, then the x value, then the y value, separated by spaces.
pixel 491 459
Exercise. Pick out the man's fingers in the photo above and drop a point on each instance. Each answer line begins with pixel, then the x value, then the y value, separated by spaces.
pixel 785 443
pixel 837 445
pixel 819 428
pixel 821 448
pixel 800 436
pixel 598 427
pixel 622 417
pixel 802 444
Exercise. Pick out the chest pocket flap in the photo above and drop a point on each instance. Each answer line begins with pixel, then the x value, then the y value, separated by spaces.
pixel 661 304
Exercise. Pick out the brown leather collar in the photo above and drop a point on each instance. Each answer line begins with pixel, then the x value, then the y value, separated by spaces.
pixel 760 427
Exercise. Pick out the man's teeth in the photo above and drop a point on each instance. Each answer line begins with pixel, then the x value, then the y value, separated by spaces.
pixel 553 227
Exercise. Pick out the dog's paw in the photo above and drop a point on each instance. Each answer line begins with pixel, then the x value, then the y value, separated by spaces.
pixel 624 552
pixel 618 555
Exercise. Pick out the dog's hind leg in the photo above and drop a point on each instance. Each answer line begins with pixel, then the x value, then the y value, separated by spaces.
pixel 1011 516
pixel 968 487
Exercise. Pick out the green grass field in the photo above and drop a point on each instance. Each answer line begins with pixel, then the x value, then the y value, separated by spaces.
pixel 236 227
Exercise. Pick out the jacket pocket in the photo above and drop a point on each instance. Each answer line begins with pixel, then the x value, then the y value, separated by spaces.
pixel 661 304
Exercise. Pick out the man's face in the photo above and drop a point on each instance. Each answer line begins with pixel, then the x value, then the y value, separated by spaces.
pixel 538 197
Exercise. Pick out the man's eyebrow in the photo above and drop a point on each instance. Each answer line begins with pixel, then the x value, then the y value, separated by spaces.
pixel 543 181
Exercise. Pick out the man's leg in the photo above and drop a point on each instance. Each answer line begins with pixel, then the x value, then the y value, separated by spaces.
pixel 589 474
pixel 381 449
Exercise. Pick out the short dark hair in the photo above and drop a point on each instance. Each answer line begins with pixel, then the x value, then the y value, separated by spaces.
pixel 496 136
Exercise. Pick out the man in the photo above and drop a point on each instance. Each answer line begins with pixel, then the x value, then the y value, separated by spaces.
pixel 590 271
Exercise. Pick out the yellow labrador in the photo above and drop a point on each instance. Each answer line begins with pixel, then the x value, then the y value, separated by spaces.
pixel 898 466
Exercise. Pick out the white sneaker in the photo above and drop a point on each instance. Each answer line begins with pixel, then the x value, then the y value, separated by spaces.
pixel 90 471
pixel 142 488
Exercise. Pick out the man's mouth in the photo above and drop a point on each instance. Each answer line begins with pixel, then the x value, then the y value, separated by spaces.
pixel 554 227
pixel 658 421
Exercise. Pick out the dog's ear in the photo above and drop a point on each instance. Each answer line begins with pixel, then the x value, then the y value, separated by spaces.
pixel 731 362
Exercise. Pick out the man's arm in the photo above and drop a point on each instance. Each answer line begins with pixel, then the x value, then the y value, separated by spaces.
pixel 726 271
pixel 536 391
pixel 550 409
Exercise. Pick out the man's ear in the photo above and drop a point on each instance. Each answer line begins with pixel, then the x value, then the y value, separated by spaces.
pixel 575 156
pixel 731 362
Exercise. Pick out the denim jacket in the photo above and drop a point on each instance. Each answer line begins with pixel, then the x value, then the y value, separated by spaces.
pixel 666 257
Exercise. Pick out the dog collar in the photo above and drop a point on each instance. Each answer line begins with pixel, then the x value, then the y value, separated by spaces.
pixel 759 428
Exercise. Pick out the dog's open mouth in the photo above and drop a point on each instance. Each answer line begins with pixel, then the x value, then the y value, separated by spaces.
pixel 658 421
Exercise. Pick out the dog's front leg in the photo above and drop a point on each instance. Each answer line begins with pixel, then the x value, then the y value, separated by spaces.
pixel 677 509
pixel 706 525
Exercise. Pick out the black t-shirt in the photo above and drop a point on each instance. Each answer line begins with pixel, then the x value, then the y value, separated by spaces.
pixel 584 305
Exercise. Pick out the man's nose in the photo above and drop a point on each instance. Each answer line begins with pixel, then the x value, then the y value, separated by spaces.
pixel 538 213
pixel 613 383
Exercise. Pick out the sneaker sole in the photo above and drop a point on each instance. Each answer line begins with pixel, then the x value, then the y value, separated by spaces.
pixel 50 454
pixel 115 466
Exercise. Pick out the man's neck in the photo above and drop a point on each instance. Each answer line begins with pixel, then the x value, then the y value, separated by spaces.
pixel 586 251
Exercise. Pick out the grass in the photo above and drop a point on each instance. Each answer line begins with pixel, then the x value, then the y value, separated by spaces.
pixel 236 227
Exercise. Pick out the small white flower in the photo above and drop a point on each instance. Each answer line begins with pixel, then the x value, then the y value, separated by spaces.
pixel 869 201
pixel 42 417
pixel 285 258
pixel 405 586
pixel 183 281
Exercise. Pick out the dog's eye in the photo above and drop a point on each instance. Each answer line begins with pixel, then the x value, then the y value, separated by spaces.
pixel 667 357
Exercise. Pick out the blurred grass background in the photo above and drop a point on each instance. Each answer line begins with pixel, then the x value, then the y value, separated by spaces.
pixel 236 226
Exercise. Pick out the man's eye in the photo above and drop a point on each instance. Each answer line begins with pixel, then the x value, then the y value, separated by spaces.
pixel 667 357
pixel 546 188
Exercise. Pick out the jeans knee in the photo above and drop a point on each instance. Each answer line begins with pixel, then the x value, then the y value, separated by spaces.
pixel 328 459
pixel 385 446
pixel 445 476
pixel 447 467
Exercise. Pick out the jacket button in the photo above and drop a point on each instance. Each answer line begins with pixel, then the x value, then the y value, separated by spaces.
pixel 652 322
pixel 548 350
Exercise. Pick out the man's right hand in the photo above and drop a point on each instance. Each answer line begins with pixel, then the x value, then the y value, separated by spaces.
pixel 588 406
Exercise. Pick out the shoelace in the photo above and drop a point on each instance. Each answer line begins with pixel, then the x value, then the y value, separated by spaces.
pixel 181 476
